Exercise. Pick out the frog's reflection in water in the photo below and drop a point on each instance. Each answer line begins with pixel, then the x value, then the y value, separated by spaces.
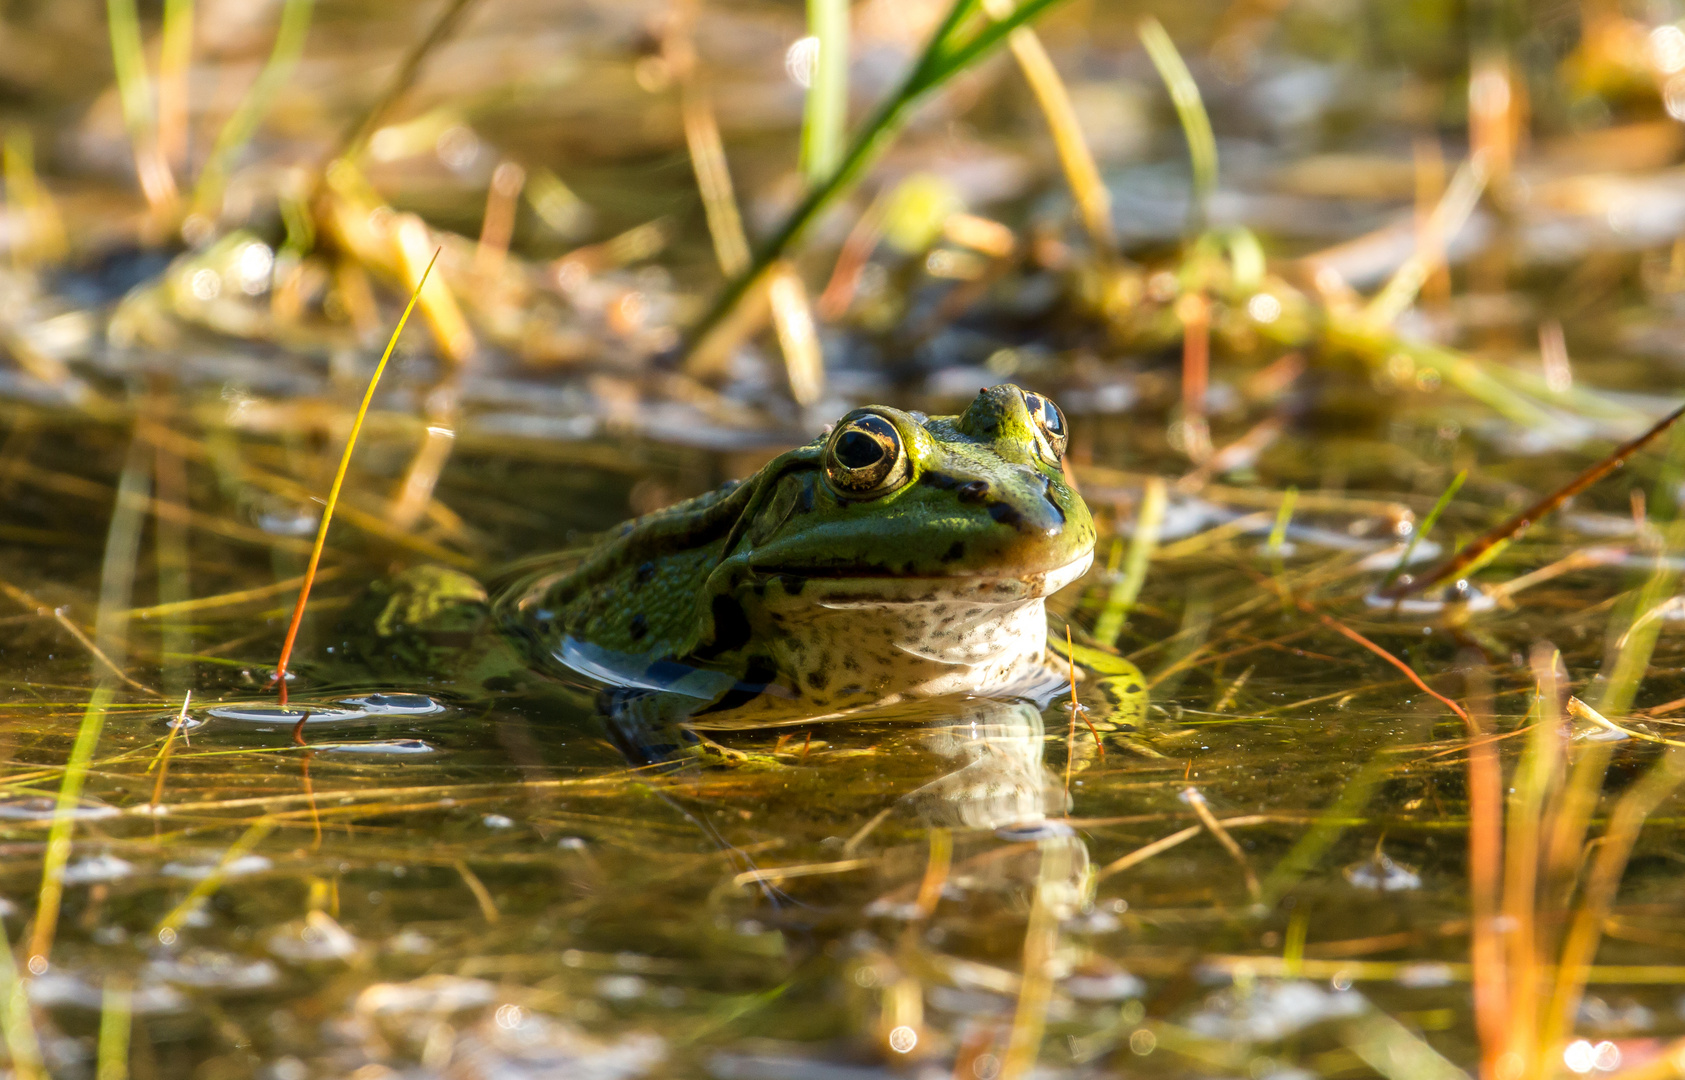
pixel 882 782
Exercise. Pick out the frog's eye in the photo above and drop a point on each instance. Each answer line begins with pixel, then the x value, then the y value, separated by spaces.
pixel 1050 425
pixel 865 457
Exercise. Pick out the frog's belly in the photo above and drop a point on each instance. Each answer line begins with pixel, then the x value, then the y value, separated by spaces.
pixel 848 652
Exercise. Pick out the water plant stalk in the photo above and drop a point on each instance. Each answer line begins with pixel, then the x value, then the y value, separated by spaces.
pixel 825 114
pixel 238 130
pixel 338 483
pixel 957 43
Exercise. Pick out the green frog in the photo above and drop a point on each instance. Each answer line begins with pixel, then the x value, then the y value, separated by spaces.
pixel 896 557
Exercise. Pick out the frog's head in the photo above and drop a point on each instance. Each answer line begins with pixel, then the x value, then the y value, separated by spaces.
pixel 893 505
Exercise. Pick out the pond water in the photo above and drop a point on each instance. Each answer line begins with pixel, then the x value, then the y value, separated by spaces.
pixel 1356 831
pixel 427 878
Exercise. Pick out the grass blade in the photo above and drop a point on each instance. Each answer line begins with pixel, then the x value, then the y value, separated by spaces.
pixel 1123 592
pixel 825 116
pixel 238 131
pixel 944 57
pixel 16 1024
pixel 1428 522
pixel 1190 111
pixel 339 482
pixel 116 1017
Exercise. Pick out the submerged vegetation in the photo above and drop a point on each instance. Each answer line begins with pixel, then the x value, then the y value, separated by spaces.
pixel 1366 320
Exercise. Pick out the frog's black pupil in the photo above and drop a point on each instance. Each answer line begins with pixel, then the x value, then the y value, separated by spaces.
pixel 858 450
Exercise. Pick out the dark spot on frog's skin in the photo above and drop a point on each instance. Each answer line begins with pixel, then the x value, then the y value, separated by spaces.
pixel 793 586
pixel 818 680
pixel 731 629
pixel 638 627
pixel 645 573
pixel 1006 514
pixel 804 498
pixel 955 553
pixel 500 683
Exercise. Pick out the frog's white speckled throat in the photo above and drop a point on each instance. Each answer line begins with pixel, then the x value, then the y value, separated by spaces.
pixel 849 641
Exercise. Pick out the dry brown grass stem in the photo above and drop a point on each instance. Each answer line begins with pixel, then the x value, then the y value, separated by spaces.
pixel 231 599
pixel 357 135
pixel 1409 672
pixel 1598 895
pixel 936 868
pixel 30 603
pixel 1093 198
pixel 1165 843
pixel 1202 810
pixel 482 895
pixel 780 873
pixel 1041 942
pixel 207 886
pixel 1485 852
pixel 163 760
pixel 497 227
pixel 373 524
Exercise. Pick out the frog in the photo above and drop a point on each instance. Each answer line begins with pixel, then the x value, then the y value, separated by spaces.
pixel 895 557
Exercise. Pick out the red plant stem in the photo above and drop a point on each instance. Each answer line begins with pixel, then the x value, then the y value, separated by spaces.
pixel 1409 672
pixel 339 482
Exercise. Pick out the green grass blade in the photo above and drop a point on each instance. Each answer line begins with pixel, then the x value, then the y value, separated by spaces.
pixel 941 60
pixel 16 1023
pixel 825 119
pixel 1190 111
pixel 1126 588
pixel 238 131
pixel 1427 525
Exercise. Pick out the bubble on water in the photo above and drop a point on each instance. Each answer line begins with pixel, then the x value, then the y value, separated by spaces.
pixel 312 939
pixel 1267 1011
pixel 1112 986
pixel 430 995
pixel 58 989
pixel 395 704
pixel 43 807
pixel 97 868
pixel 620 987
pixel 394 746
pixel 200 870
pixel 211 969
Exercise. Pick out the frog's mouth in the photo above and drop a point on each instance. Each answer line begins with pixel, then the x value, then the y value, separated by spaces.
pixel 841 586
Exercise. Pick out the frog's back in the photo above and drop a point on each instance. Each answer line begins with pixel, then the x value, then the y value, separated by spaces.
pixel 635 591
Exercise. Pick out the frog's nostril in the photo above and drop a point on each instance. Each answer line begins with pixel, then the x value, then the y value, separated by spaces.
pixel 973 491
